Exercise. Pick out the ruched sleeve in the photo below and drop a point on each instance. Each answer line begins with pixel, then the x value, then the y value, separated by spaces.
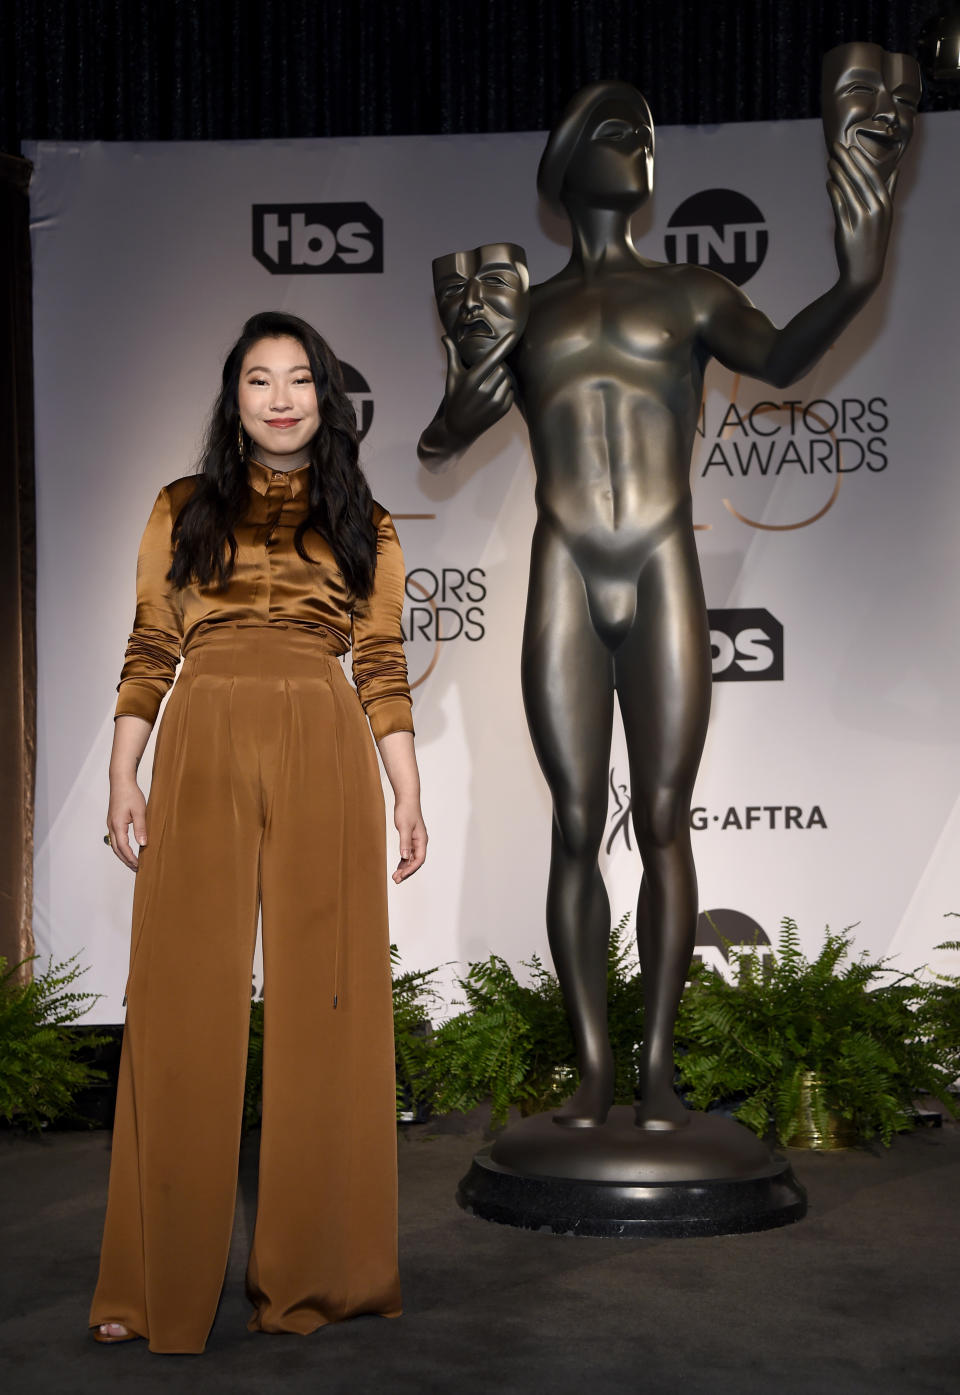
pixel 379 666
pixel 153 650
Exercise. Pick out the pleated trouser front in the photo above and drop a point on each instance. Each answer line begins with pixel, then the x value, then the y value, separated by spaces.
pixel 265 790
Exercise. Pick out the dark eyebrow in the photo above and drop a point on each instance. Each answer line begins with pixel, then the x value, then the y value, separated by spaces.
pixel 259 368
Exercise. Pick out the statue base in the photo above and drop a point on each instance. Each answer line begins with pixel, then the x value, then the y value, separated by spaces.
pixel 710 1177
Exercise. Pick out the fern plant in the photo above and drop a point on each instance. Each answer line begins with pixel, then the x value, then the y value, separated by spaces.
pixel 414 997
pixel 873 1037
pixel 624 1010
pixel 513 1044
pixel 938 1015
pixel 40 1070
pixel 863 1030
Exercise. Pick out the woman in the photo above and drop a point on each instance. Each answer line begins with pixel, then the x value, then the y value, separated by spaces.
pixel 264 569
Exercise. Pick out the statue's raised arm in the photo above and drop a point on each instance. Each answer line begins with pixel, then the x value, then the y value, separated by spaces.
pixel 869 104
pixel 483 300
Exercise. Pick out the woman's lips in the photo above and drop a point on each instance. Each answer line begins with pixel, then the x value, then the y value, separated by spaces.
pixel 282 423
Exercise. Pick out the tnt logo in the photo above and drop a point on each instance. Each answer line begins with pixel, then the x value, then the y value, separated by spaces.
pixel 719 229
pixel 358 390
pixel 746 644
pixel 292 239
pixel 722 933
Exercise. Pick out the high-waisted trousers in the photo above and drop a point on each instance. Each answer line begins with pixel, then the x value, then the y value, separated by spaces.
pixel 265 792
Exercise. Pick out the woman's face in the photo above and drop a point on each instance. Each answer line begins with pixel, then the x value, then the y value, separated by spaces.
pixel 278 402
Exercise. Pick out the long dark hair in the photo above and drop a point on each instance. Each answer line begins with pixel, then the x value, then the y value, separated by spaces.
pixel 341 506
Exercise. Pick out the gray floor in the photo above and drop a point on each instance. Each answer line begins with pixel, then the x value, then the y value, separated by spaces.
pixel 862 1296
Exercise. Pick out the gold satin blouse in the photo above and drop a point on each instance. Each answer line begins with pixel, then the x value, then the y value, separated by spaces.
pixel 271 584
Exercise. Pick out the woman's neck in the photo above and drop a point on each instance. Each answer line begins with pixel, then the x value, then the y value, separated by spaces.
pixel 284 464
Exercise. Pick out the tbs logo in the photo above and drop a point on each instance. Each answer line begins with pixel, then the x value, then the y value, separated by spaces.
pixel 721 229
pixel 302 239
pixel 746 645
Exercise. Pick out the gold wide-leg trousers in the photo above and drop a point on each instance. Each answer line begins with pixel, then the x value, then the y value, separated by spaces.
pixel 266 791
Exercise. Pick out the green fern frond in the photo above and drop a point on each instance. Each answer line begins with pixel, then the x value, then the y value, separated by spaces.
pixel 41 1072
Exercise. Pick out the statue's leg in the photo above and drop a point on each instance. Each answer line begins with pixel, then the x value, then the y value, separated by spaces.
pixel 664 685
pixel 568 695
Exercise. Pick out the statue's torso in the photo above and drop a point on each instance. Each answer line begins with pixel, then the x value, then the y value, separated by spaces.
pixel 610 374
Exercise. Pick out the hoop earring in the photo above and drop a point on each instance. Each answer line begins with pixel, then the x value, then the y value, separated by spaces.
pixel 240 441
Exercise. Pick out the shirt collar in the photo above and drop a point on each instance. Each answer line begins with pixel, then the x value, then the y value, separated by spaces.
pixel 261 477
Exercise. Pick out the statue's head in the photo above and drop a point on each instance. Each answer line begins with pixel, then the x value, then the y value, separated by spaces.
pixel 600 153
pixel 482 295
pixel 869 100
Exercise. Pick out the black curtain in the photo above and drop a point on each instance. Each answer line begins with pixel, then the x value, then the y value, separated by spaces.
pixel 18 659
pixel 231 69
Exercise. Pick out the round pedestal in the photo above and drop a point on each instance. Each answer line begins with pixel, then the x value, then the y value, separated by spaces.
pixel 711 1177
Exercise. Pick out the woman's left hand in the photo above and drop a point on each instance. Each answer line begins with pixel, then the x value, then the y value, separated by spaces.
pixel 413 838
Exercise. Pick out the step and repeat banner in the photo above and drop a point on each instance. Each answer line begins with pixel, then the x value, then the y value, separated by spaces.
pixel 827 516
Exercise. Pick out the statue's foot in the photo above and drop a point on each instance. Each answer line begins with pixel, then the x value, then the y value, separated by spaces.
pixel 589 1105
pixel 661 1110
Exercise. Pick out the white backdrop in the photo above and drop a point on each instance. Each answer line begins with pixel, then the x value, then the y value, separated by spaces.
pixel 831 794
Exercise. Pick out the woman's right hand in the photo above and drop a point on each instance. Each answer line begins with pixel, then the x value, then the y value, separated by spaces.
pixel 127 806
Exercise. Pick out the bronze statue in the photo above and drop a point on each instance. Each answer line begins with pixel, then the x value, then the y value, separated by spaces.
pixel 606 365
